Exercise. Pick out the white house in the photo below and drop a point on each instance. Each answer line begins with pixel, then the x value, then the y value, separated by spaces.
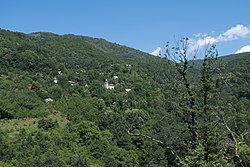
pixel 55 80
pixel 72 83
pixel 128 65
pixel 127 90
pixel 115 77
pixel 48 100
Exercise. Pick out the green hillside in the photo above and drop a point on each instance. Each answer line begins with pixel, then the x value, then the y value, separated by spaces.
pixel 56 111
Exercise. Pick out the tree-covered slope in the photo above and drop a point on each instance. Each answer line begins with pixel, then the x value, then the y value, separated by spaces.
pixel 56 111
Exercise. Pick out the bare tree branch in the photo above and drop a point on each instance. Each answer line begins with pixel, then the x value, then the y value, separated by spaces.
pixel 236 143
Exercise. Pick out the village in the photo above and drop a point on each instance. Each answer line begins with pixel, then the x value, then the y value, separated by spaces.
pixel 106 85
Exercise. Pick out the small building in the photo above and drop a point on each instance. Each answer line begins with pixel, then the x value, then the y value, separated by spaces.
pixel 127 90
pixel 48 100
pixel 108 86
pixel 55 80
pixel 128 65
pixel 115 77
pixel 72 83
pixel 111 86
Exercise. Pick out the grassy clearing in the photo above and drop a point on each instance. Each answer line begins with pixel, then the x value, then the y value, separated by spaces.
pixel 31 123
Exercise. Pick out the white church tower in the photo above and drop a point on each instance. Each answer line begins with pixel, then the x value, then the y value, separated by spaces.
pixel 106 84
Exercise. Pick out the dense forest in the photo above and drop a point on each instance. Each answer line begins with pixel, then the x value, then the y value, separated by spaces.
pixel 69 100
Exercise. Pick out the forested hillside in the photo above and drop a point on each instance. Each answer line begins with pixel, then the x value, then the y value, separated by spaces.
pixel 69 100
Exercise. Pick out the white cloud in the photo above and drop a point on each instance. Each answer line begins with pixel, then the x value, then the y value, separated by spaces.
pixel 243 49
pixel 237 32
pixel 156 52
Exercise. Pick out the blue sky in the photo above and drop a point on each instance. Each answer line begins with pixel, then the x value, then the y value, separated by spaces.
pixel 141 24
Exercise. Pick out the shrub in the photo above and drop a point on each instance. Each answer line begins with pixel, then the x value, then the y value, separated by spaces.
pixel 47 124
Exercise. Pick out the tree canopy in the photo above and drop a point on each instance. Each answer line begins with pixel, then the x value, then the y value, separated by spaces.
pixel 55 110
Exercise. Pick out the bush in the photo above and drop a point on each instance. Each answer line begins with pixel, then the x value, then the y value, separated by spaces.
pixel 47 124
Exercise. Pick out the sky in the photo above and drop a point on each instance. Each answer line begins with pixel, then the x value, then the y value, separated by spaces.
pixel 141 24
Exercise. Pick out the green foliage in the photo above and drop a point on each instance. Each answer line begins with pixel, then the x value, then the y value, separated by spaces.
pixel 144 121
pixel 244 151
pixel 196 158
pixel 47 124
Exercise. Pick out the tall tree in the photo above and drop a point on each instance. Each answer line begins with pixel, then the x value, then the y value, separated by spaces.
pixel 198 107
